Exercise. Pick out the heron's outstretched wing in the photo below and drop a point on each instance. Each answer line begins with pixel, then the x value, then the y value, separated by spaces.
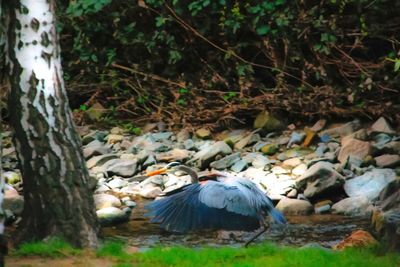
pixel 241 196
pixel 189 209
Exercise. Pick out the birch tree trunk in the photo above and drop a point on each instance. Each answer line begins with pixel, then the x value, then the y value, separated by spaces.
pixel 3 30
pixel 58 201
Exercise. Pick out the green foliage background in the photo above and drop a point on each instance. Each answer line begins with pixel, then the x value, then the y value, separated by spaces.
pixel 200 60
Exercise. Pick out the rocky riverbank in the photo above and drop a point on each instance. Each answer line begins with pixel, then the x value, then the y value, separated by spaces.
pixel 348 168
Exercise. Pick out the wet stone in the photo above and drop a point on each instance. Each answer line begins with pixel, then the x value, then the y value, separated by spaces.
pixel 239 166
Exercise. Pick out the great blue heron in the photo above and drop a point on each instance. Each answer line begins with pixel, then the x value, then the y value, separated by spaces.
pixel 213 201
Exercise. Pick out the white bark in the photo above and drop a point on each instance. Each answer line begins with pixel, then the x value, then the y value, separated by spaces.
pixel 57 197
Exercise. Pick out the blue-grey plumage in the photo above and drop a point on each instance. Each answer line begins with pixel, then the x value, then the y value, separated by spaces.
pixel 228 203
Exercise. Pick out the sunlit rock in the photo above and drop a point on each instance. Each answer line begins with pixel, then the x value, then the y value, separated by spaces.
pixel 105 200
pixel 370 184
pixel 290 206
pixel 352 206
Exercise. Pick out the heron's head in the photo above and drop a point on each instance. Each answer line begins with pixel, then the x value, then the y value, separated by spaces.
pixel 175 166
pixel 166 168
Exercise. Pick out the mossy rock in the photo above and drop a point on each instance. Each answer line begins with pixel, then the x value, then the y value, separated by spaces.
pixel 203 133
pixel 267 122
pixel 270 149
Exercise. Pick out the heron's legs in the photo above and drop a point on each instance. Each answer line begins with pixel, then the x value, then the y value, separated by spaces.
pixel 263 230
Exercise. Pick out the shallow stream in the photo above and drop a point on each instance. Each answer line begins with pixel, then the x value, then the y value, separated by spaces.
pixel 325 230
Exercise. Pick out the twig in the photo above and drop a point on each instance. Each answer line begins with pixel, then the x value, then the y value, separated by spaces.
pixel 152 76
pixel 230 52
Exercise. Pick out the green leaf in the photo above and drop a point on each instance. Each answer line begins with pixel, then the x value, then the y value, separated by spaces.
pixel 160 21
pixel 397 65
pixel 263 30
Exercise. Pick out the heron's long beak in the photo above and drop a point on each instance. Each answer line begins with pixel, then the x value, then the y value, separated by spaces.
pixel 159 171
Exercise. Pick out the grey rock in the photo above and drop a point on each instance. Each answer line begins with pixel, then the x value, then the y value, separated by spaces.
pixel 296 138
pixel 151 192
pixel 388 161
pixel 189 144
pixel 343 130
pixel 318 179
pixel 117 183
pixel 260 161
pixel 352 206
pixel 162 136
pixel 299 170
pixel 370 184
pixel 121 167
pixel 100 160
pixel 183 135
pixel 130 203
pixel 226 162
pixel 142 156
pixel 382 126
pixel 249 157
pixel 322 209
pixel 151 160
pixel 105 200
pixel 208 154
pixel 112 216
pixel 391 147
pixel 381 139
pixel 95 148
pixel 277 185
pixel 95 135
pixel 293 162
pixel 321 149
pixel 239 166
pixel 175 154
pixel 283 140
pixel 355 148
pixel 361 135
pixel 290 206
pixel 102 189
pixel 249 139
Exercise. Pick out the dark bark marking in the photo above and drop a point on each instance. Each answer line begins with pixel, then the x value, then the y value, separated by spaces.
pixel 23 9
pixel 20 45
pixel 47 57
pixel 45 40
pixel 35 24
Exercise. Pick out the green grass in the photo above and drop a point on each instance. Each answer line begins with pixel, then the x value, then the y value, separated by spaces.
pixel 258 255
pixel 52 248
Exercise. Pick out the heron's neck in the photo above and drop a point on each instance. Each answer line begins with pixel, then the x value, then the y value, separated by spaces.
pixel 192 173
